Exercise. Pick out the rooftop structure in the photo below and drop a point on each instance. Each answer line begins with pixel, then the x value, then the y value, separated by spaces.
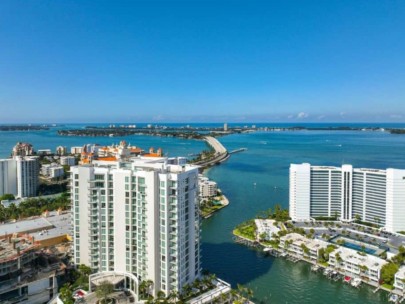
pixel 20 279
pixel 47 231
pixel 12 248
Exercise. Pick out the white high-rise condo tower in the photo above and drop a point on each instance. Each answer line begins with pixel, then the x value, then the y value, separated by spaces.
pixel 372 195
pixel 138 216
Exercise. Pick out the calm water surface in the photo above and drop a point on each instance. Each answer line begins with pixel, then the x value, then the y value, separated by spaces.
pixel 255 180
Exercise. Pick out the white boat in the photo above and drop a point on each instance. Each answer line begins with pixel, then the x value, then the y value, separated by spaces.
pixel 356 282
pixel 327 271
pixel 315 268
pixel 394 298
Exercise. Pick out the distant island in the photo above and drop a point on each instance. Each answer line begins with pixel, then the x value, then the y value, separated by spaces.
pixel 22 128
pixel 200 132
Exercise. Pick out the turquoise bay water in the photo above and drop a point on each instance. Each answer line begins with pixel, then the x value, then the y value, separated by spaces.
pixel 255 180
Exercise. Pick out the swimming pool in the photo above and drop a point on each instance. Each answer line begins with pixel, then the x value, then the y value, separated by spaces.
pixel 359 247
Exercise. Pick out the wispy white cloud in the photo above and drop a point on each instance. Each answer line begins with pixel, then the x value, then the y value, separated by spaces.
pixel 302 115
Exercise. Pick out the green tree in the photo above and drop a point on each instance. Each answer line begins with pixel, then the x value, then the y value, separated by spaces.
pixel 145 288
pixel 388 272
pixel 7 197
pixel 65 294
pixel 104 290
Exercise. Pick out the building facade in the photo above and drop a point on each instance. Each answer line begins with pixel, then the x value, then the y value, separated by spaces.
pixel 351 263
pixel 20 280
pixel 61 150
pixel 27 176
pixel 207 188
pixel 140 217
pixel 8 176
pixel 67 160
pixel 399 279
pixel 22 149
pixel 19 176
pixel 52 170
pixel 370 195
pixel 302 246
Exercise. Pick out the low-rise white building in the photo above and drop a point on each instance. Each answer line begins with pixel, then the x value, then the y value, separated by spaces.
pixel 56 172
pixel 44 152
pixel 207 188
pixel 302 246
pixel 61 150
pixel 267 227
pixel 67 160
pixel 400 279
pixel 357 264
pixel 52 170
pixel 76 150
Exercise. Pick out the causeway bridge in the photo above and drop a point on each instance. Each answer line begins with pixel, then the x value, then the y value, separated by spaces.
pixel 221 153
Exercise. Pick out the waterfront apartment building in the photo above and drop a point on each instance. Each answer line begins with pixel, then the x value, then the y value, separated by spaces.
pixel 27 176
pixel 353 264
pixel 371 195
pixel 302 246
pixel 61 150
pixel 8 176
pixel 399 282
pixel 207 188
pixel 19 176
pixel 22 149
pixel 139 216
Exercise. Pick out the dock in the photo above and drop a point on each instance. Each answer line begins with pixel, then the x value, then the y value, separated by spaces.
pixel 244 241
pixel 238 150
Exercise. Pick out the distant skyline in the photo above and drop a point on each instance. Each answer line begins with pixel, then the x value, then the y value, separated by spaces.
pixel 202 61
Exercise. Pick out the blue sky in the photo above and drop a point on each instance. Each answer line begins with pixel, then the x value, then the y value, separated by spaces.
pixel 259 61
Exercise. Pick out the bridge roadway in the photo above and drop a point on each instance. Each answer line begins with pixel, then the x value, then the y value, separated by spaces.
pixel 221 154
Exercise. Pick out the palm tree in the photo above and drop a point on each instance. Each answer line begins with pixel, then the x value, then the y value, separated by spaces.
pixel 187 289
pixel 144 288
pixel 161 297
pixel 104 290
pixel 249 293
